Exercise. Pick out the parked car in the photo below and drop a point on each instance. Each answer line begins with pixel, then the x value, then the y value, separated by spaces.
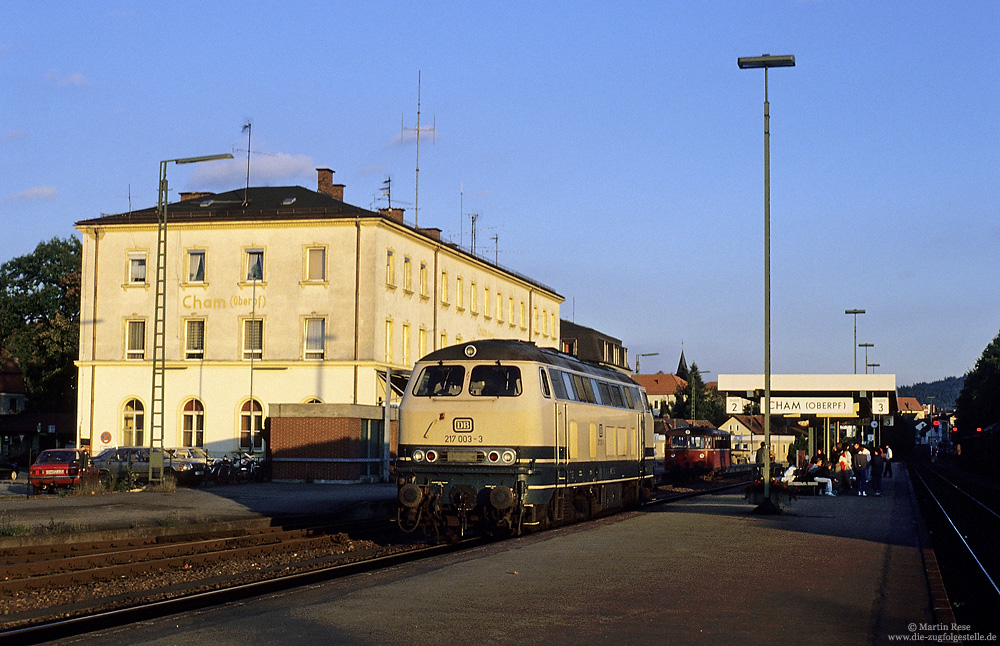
pixel 124 463
pixel 61 469
pixel 9 471
pixel 188 464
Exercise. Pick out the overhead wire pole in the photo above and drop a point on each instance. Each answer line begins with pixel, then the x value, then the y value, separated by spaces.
pixel 160 318
pixel 433 131
pixel 855 313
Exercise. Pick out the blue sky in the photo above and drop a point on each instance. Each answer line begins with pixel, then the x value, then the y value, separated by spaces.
pixel 615 150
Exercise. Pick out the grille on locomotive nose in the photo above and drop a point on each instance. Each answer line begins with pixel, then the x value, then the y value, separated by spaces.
pixel 465 456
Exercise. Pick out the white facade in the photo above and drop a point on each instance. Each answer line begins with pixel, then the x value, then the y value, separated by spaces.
pixel 292 309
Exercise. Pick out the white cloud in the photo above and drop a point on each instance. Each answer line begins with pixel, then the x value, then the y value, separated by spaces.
pixel 34 193
pixel 266 169
pixel 65 80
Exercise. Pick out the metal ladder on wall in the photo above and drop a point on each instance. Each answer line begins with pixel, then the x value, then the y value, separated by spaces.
pixel 159 336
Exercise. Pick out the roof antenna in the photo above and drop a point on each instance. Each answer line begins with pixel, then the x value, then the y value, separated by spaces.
pixel 247 128
pixel 416 205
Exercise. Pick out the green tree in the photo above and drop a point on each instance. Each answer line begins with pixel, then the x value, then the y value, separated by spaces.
pixel 40 321
pixel 979 400
pixel 707 403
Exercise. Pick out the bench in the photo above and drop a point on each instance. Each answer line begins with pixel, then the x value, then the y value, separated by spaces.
pixel 805 488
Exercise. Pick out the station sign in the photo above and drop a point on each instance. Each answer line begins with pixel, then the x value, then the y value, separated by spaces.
pixel 880 405
pixel 819 406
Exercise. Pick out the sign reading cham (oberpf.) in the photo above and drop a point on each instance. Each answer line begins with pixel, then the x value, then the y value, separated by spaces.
pixel 823 406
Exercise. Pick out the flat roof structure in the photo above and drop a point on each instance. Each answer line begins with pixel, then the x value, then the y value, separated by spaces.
pixel 838 396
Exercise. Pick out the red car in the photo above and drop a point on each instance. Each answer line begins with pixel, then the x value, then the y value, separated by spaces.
pixel 61 468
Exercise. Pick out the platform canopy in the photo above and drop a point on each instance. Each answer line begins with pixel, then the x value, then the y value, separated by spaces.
pixel 837 396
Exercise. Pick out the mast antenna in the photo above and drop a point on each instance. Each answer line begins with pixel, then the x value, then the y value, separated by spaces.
pixel 433 131
pixel 247 128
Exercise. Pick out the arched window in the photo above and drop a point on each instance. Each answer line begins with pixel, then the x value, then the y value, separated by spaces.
pixel 251 424
pixel 194 423
pixel 133 423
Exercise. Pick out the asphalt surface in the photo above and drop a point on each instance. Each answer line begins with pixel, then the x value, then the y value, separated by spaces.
pixel 830 570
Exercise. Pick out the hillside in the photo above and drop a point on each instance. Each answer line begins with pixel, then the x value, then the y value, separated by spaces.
pixel 944 392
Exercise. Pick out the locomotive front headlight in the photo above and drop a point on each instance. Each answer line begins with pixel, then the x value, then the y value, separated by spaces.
pixel 432 456
pixel 673 455
pixel 701 455
pixel 418 456
pixel 508 456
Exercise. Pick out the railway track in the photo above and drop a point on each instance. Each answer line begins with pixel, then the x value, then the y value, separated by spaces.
pixel 53 591
pixel 963 517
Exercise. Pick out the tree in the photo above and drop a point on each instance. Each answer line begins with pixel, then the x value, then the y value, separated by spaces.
pixel 40 321
pixel 707 403
pixel 979 401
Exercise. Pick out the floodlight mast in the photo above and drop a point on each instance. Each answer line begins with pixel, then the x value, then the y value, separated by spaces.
pixel 756 62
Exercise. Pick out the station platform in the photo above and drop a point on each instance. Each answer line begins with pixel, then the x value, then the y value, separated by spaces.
pixel 68 518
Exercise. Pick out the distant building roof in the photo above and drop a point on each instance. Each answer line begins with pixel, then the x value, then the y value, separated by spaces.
pixel 660 383
pixel 909 405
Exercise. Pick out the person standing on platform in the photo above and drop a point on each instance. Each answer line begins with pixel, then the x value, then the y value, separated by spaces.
pixel 844 471
pixel 861 459
pixel 759 458
pixel 888 461
pixel 877 468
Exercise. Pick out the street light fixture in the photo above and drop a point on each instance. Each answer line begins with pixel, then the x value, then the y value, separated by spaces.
pixel 648 354
pixel 159 316
pixel 756 62
pixel 855 313
pixel 866 346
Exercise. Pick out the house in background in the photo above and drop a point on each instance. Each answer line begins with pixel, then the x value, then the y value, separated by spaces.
pixel 590 345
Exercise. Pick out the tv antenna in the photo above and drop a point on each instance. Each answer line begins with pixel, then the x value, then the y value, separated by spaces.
pixel 387 190
pixel 247 128
pixel 433 131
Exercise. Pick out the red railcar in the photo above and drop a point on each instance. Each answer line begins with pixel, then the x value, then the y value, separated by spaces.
pixel 696 450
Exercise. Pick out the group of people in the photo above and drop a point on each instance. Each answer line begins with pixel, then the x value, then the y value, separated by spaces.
pixel 853 469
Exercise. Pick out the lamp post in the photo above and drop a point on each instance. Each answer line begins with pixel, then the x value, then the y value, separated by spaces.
pixel 648 354
pixel 866 346
pixel 756 62
pixel 159 316
pixel 873 366
pixel 855 313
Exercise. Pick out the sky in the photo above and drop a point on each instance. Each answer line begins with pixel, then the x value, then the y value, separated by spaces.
pixel 611 151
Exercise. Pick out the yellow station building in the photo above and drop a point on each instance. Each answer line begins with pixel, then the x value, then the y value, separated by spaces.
pixel 275 295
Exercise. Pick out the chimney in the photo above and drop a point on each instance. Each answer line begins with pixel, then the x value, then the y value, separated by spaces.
pixel 193 195
pixel 326 185
pixel 396 215
pixel 433 233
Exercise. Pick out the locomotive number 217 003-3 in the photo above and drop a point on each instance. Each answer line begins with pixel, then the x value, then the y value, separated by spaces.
pixel 463 439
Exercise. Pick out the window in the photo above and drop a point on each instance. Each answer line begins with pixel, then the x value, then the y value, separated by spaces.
pixel 253 339
pixel 316 263
pixel 135 341
pixel 545 383
pixel 422 341
pixel 459 294
pixel 407 274
pixel 390 268
pixel 133 423
pixel 473 300
pixel 545 321
pixel 444 340
pixel 255 265
pixel 388 340
pixel 499 308
pixel 196 266
pixel 423 279
pixel 439 381
pixel 251 424
pixel 194 339
pixel 522 316
pixel 315 336
pixel 495 381
pixel 534 320
pixel 406 344
pixel 137 268
pixel 510 301
pixel 444 288
pixel 486 302
pixel 194 423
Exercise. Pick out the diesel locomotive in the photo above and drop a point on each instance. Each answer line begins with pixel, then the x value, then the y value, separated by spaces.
pixel 503 436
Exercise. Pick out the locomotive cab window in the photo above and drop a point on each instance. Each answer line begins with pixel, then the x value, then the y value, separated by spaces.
pixel 545 383
pixel 495 381
pixel 440 381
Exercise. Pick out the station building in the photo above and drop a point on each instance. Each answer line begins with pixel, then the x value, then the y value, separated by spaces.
pixel 276 295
